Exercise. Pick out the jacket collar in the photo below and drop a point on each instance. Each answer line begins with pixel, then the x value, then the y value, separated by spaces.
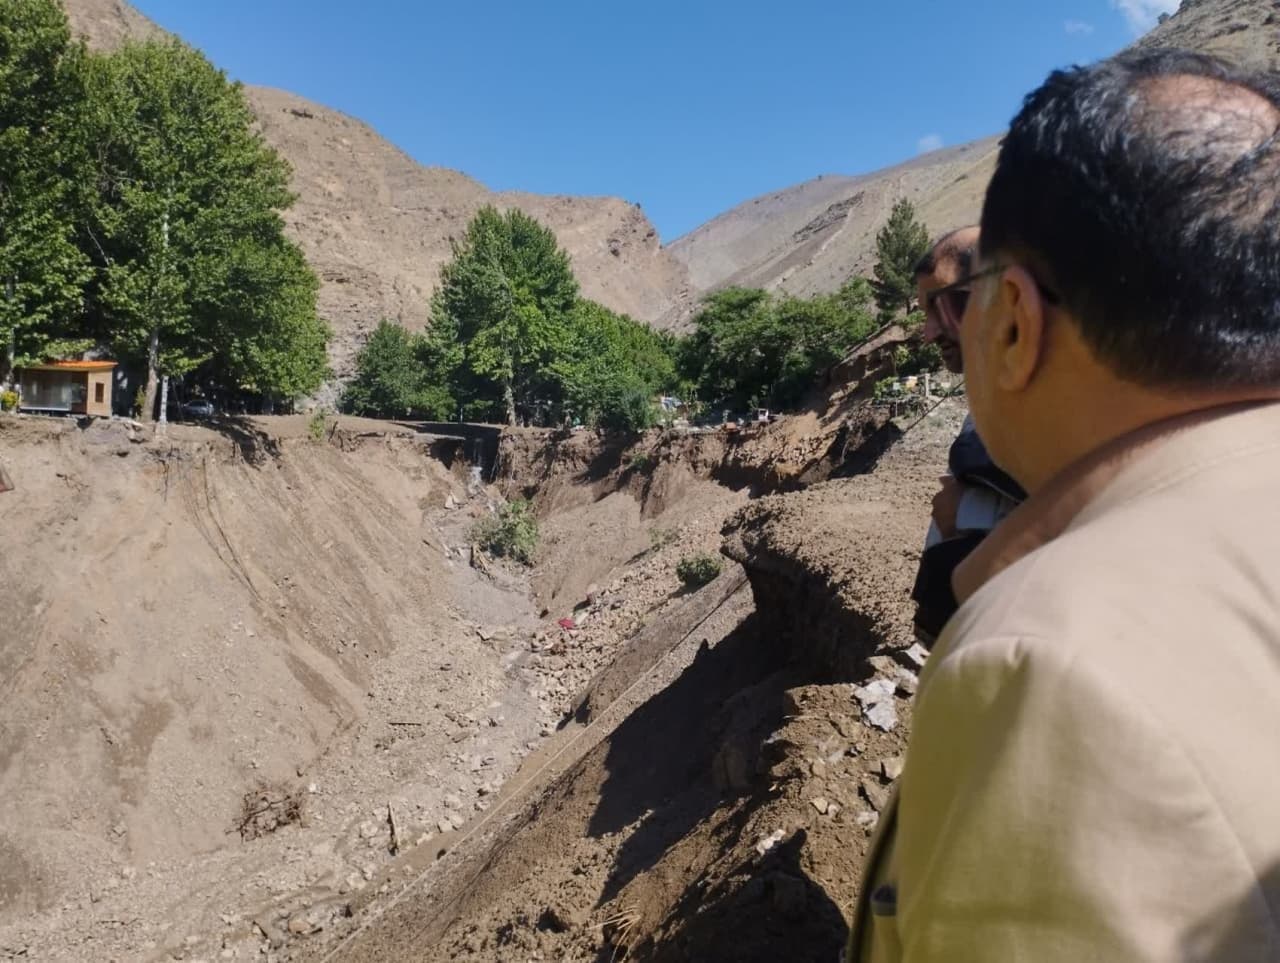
pixel 1122 468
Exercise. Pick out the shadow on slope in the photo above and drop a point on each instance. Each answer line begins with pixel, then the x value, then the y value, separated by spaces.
pixel 670 764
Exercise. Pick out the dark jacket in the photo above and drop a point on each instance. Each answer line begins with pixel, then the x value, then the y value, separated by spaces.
pixel 971 465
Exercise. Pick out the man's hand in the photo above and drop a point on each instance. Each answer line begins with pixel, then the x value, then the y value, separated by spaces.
pixel 946 504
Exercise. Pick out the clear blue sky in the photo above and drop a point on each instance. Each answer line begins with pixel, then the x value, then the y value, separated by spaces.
pixel 685 106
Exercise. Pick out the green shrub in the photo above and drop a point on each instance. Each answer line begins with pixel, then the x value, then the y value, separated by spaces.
pixel 511 533
pixel 628 409
pixel 917 359
pixel 696 571
pixel 8 400
pixel 886 390
pixel 641 461
pixel 318 425
pixel 660 537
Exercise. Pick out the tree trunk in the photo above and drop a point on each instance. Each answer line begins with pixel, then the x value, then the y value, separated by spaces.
pixel 153 376
pixel 509 399
pixel 10 350
pixel 164 401
pixel 11 342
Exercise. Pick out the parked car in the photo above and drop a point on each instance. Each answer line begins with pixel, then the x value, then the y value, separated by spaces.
pixel 198 409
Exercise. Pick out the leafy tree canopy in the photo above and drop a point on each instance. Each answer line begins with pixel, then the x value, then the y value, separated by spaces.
pixel 141 210
pixel 500 312
pixel 390 376
pixel 900 245
pixel 42 168
pixel 187 221
pixel 751 348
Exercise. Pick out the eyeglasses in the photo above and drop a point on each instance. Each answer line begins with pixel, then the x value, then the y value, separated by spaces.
pixel 949 302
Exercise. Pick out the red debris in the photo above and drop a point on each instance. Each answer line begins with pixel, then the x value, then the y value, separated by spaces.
pixel 567 624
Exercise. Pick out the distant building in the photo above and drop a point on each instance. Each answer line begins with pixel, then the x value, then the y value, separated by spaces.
pixel 67 387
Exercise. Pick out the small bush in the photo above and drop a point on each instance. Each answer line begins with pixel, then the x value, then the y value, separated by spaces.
pixel 696 571
pixel 318 425
pixel 512 533
pixel 917 360
pixel 629 410
pixel 660 537
pixel 641 461
pixel 887 389
pixel 8 400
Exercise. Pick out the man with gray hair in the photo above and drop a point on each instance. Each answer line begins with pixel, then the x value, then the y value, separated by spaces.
pixel 1094 766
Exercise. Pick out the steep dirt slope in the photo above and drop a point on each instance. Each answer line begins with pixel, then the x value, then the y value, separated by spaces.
pixel 713 796
pixel 108 23
pixel 810 238
pixel 375 224
pixel 190 616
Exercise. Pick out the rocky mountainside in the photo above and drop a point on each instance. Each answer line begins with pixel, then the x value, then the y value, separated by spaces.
pixel 375 224
pixel 810 238
pixel 1247 31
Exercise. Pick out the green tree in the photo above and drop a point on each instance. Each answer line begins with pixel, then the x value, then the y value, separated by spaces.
pixel 612 367
pixel 273 343
pixel 42 176
pixel 187 225
pixel 750 348
pixel 900 245
pixel 731 338
pixel 389 374
pixel 499 315
pixel 820 330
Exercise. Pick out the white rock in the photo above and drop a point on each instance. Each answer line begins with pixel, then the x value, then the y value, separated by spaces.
pixel 891 769
pixel 883 715
pixel 917 654
pixel 766 843
pixel 874 692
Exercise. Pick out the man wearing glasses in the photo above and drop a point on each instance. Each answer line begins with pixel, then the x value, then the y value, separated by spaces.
pixel 976 494
pixel 1094 766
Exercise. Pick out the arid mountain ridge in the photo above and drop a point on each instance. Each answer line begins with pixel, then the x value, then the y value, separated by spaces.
pixel 376 224
pixel 809 238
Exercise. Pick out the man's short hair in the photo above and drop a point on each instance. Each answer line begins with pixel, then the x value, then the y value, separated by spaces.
pixel 944 248
pixel 1145 192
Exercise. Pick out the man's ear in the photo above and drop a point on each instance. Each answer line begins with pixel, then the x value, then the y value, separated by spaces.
pixel 1020 334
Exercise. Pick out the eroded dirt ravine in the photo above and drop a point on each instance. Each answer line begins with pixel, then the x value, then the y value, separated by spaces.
pixel 260 620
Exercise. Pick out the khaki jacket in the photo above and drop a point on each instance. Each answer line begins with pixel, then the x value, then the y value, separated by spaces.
pixel 1094 769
